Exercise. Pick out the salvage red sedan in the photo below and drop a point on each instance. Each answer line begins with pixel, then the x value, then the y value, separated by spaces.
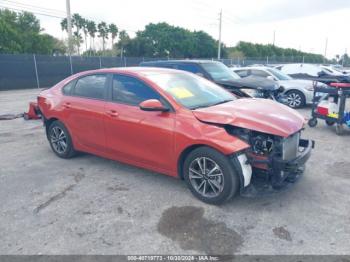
pixel 176 123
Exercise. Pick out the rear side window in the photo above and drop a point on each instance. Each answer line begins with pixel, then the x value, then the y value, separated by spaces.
pixel 129 90
pixel 189 68
pixel 242 73
pixel 259 73
pixel 67 89
pixel 91 86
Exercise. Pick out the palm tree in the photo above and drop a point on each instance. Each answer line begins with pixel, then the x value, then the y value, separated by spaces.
pixel 78 22
pixel 123 40
pixel 64 24
pixel 91 27
pixel 103 33
pixel 85 31
pixel 113 29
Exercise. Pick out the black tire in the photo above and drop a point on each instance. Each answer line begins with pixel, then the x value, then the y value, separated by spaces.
pixel 226 184
pixel 339 129
pixel 312 122
pixel 295 99
pixel 330 122
pixel 54 133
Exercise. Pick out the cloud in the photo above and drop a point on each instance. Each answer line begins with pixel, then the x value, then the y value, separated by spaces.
pixel 278 10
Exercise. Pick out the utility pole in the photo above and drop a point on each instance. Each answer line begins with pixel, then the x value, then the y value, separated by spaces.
pixel 274 37
pixel 325 50
pixel 220 24
pixel 69 27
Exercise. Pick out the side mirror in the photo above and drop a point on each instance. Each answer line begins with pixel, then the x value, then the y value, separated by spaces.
pixel 153 105
pixel 271 78
pixel 321 73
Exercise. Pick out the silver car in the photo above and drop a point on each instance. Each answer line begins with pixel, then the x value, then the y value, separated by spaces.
pixel 298 92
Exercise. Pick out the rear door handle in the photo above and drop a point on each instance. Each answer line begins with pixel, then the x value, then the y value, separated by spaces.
pixel 112 113
pixel 67 105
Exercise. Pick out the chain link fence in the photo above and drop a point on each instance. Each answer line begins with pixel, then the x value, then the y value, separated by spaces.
pixel 40 71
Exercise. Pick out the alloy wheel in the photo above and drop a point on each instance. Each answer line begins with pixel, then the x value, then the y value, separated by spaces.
pixel 58 140
pixel 294 100
pixel 206 177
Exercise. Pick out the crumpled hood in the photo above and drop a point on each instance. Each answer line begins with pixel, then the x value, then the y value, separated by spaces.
pixel 261 115
pixel 251 82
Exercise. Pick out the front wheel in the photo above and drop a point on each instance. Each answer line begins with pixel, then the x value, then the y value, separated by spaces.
pixel 312 122
pixel 295 99
pixel 210 176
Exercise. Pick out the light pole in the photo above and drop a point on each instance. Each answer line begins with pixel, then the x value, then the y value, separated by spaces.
pixel 69 27
pixel 219 45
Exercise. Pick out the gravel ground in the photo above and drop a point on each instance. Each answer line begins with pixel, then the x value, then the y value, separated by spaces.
pixel 90 205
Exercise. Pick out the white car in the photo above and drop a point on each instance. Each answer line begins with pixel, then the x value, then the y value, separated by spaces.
pixel 298 92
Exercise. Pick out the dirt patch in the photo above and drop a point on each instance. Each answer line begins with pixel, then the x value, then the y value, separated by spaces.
pixel 53 199
pixel 187 226
pixel 282 233
pixel 339 169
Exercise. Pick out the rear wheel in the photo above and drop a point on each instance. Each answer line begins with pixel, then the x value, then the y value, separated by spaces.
pixel 295 99
pixel 210 176
pixel 339 129
pixel 60 140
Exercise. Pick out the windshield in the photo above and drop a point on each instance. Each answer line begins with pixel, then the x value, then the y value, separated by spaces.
pixel 219 72
pixel 279 75
pixel 191 91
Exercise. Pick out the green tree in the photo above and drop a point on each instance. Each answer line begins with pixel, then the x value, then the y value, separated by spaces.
pixel 103 33
pixel 21 33
pixel 123 41
pixel 162 39
pixel 113 29
pixel 91 27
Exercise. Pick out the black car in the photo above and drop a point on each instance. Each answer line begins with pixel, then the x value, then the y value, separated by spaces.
pixel 222 75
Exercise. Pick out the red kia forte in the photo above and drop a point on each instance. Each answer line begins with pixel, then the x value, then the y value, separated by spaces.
pixel 179 124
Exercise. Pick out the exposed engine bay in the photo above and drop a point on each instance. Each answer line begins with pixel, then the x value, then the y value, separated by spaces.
pixel 272 158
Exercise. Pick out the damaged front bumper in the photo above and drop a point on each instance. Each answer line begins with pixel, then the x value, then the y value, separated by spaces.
pixel 278 173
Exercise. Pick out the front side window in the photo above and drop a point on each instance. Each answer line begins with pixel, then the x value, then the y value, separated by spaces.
pixel 91 86
pixel 191 91
pixel 279 75
pixel 219 72
pixel 132 91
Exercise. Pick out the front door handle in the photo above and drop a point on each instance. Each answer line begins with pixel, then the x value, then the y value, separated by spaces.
pixel 112 113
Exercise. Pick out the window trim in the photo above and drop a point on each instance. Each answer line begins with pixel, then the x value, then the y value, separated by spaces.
pixel 105 93
pixel 162 99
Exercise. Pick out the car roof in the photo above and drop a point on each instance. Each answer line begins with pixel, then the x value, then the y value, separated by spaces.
pixel 251 67
pixel 184 61
pixel 141 71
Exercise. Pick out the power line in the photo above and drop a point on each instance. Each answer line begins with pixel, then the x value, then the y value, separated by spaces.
pixel 34 12
pixel 36 7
